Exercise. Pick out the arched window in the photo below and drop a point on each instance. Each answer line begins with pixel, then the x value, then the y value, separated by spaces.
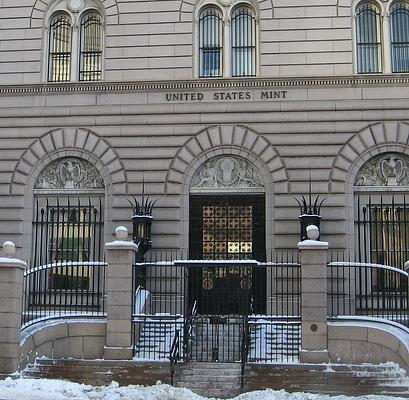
pixel 59 56
pixel 382 210
pixel 368 39
pixel 90 66
pixel 399 20
pixel 68 221
pixel 75 40
pixel 243 42
pixel 210 43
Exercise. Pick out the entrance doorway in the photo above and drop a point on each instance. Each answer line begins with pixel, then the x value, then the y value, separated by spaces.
pixel 229 228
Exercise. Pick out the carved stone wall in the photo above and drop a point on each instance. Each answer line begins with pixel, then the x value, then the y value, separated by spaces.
pixel 387 169
pixel 227 172
pixel 69 173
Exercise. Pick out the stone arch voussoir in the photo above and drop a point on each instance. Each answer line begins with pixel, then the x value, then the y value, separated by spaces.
pixel 224 139
pixel 344 8
pixel 187 9
pixel 374 139
pixel 68 142
pixel 41 6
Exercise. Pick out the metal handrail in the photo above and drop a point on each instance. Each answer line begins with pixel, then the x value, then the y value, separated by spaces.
pixel 188 328
pixel 244 347
pixel 174 355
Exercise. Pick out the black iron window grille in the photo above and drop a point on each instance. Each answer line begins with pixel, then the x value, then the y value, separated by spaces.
pixel 210 43
pixel 382 232
pixel 243 42
pixel 90 67
pixel 368 39
pixel 399 19
pixel 59 60
pixel 68 234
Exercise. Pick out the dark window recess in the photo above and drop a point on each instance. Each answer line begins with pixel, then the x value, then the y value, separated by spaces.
pixel 228 228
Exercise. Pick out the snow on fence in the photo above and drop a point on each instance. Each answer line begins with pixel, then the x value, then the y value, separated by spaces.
pixel 366 289
pixel 63 289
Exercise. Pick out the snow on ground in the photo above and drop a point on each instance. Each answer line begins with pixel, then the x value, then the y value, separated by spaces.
pixel 46 389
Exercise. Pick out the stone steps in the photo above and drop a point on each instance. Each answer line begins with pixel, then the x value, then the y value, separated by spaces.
pixel 223 379
pixel 210 379
pixel 99 372
pixel 337 380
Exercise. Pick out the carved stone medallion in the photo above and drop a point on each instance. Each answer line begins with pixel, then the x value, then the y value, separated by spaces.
pixel 75 5
pixel 228 172
pixel 69 173
pixel 390 169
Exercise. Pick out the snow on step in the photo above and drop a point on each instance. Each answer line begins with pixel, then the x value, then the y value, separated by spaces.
pixel 156 338
pixel 210 379
pixel 275 342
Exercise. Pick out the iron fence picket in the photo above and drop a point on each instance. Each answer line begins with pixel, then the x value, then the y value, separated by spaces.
pixel 67 271
pixel 363 293
pixel 207 323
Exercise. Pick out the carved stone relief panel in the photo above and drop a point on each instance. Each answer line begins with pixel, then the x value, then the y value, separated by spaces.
pixel 388 169
pixel 227 172
pixel 69 173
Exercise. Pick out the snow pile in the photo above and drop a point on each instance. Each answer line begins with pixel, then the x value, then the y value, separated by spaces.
pixel 45 389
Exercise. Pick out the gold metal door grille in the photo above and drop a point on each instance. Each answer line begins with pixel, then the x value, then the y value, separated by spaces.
pixel 227 232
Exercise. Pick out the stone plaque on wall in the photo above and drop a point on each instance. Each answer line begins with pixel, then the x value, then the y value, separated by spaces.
pixel 227 173
pixel 387 169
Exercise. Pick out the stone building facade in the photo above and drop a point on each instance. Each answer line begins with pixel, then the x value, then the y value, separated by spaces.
pixel 169 111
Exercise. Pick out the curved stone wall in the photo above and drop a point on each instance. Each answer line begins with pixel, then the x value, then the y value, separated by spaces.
pixel 358 342
pixel 76 338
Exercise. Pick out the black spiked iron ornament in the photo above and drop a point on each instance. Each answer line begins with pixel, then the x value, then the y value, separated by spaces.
pixel 142 222
pixel 309 213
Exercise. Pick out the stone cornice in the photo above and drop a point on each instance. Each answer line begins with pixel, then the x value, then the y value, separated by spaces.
pixel 203 84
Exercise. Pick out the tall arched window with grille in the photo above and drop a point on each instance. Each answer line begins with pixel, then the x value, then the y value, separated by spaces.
pixel 243 42
pixel 91 36
pixel 59 54
pixel 210 43
pixel 399 20
pixel 368 39
pixel 68 221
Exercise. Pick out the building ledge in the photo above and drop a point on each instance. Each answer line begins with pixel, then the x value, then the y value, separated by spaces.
pixel 205 84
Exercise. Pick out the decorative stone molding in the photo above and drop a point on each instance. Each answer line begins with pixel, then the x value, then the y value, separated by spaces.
pixel 69 173
pixel 75 5
pixel 226 173
pixel 390 169
pixel 344 8
pixel 227 140
pixel 40 8
pixel 375 139
pixel 204 84
pixel 188 7
pixel 79 143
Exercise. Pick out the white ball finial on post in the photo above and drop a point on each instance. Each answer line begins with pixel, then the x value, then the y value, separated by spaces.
pixel 9 248
pixel 121 233
pixel 313 232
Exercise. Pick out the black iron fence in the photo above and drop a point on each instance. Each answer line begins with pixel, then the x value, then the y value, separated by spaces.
pixel 211 304
pixel 64 289
pixel 370 290
pixel 67 272
pixel 382 230
pixel 274 339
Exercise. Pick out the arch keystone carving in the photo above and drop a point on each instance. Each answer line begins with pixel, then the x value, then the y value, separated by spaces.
pixel 375 139
pixel 217 140
pixel 59 143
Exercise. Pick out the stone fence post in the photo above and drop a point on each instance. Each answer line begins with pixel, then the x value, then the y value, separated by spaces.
pixel 120 257
pixel 11 292
pixel 314 330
